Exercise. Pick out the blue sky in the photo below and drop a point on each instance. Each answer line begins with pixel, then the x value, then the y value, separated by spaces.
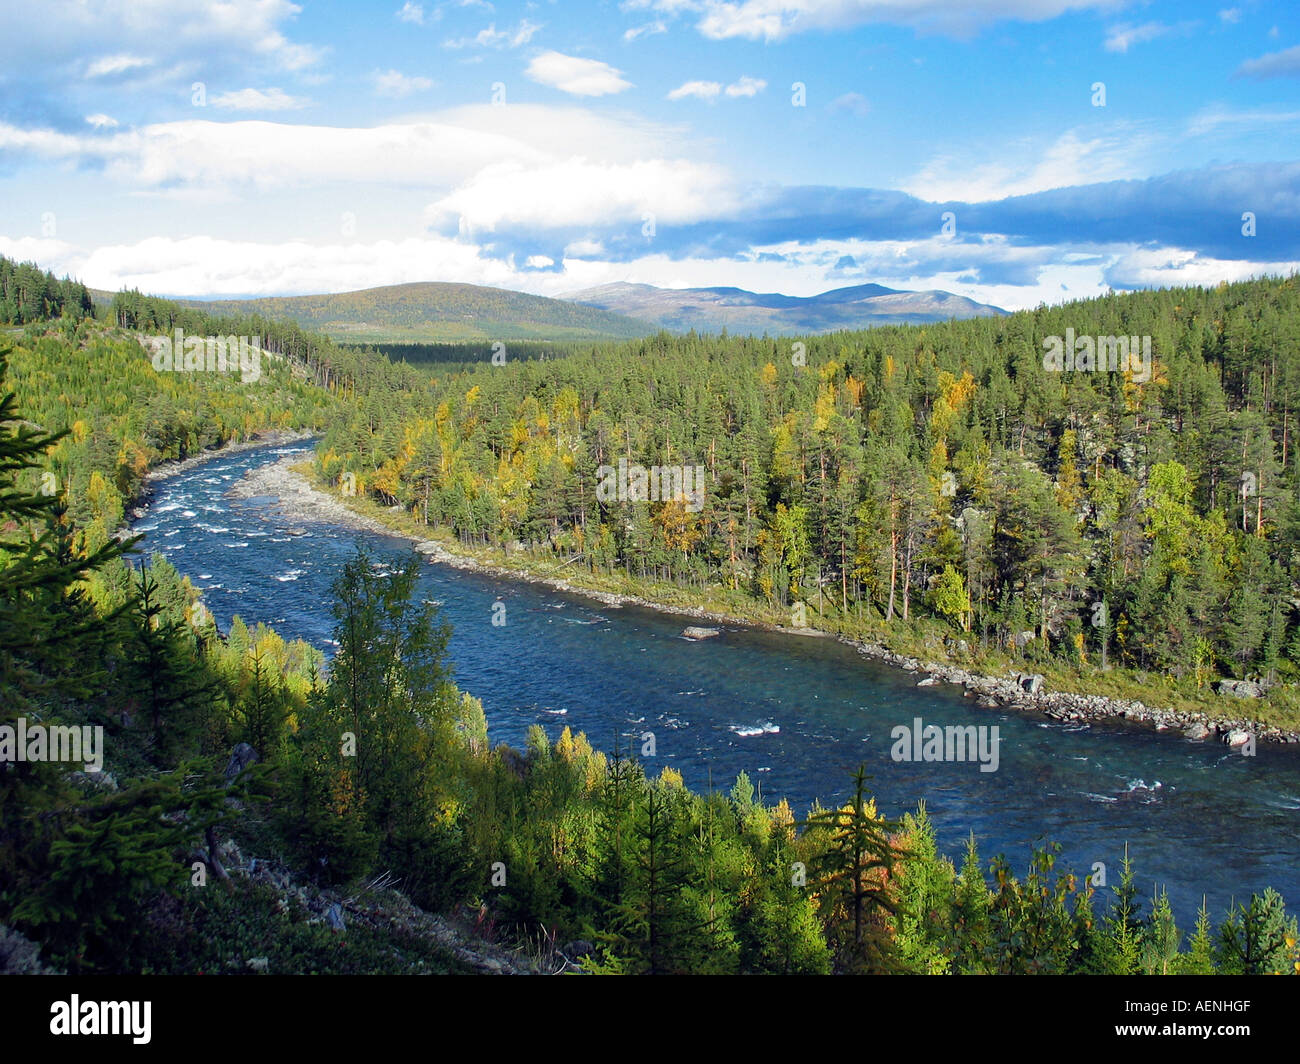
pixel 257 147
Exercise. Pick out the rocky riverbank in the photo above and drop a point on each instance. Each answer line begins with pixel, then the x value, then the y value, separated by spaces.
pixel 163 470
pixel 299 499
pixel 1025 692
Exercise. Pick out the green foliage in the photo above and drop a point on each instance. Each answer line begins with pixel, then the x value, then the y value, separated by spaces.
pixel 1258 938
pixel 825 485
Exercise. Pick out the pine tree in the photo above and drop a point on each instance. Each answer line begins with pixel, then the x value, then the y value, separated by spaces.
pixel 853 875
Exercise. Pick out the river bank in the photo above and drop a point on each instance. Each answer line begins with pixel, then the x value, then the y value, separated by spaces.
pixel 138 504
pixel 1015 691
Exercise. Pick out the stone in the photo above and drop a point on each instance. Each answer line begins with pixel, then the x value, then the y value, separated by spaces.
pixel 334 917
pixel 694 632
pixel 258 964
pixel 1023 639
pixel 1240 689
pixel 241 757
pixel 929 681
pixel 1197 731
pixel 578 948
pixel 1031 683
pixel 1237 737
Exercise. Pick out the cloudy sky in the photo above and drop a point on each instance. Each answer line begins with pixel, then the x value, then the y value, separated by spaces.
pixel 1014 151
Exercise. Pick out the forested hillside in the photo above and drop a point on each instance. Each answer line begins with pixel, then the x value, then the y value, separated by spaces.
pixel 437 312
pixel 28 293
pixel 180 857
pixel 1145 518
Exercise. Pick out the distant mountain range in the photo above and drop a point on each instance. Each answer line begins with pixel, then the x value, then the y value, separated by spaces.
pixel 445 312
pixel 739 311
pixel 437 312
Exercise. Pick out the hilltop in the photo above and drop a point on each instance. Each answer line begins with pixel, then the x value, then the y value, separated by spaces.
pixel 435 311
pixel 710 310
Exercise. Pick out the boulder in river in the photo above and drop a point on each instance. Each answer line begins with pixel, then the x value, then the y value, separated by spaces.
pixel 1237 737
pixel 1197 731
pixel 693 632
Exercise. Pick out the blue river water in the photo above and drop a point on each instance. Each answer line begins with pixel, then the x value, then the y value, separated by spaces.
pixel 797 714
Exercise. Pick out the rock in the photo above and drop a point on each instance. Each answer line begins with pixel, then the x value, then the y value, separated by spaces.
pixel 241 757
pixel 929 681
pixel 578 948
pixel 19 955
pixel 1197 731
pixel 693 632
pixel 1031 683
pixel 334 917
pixel 1240 689
pixel 103 781
pixel 1237 737
pixel 1022 639
pixel 258 964
pixel 988 702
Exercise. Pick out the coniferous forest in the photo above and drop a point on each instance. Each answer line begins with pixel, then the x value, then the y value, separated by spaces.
pixel 263 809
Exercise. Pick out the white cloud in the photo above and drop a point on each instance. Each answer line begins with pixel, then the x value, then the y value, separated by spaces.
pixel 710 90
pixel 1174 268
pixel 576 193
pixel 1281 64
pixel 1122 37
pixel 576 76
pixel 395 83
pixel 774 20
pixel 101 121
pixel 110 65
pixel 495 38
pixel 1230 14
pixel 702 90
pixel 265 155
pixel 568 130
pixel 1070 160
pixel 1213 119
pixel 190 36
pixel 746 86
pixel 411 13
pixel 648 29
pixel 259 100
pixel 208 266
pixel 435 152
pixel 853 103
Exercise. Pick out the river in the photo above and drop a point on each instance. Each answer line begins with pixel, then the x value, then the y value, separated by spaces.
pixel 797 714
